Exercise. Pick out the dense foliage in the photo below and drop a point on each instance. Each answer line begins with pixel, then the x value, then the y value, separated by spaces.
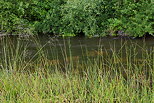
pixel 72 17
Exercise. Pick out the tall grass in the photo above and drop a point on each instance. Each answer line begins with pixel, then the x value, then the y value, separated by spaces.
pixel 106 77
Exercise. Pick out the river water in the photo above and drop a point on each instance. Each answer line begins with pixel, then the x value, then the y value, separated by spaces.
pixel 61 47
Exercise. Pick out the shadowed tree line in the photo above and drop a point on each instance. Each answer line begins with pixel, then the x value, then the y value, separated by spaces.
pixel 74 17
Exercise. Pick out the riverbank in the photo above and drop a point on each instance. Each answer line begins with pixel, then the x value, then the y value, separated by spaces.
pixel 102 75
pixel 42 86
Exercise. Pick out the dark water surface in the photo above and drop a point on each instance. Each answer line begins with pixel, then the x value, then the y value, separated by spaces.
pixel 60 47
pixel 57 51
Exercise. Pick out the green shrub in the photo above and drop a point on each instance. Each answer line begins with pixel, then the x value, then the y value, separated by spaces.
pixel 12 18
pixel 50 20
pixel 138 18
pixel 89 17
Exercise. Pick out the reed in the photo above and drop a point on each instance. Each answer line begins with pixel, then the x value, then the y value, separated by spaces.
pixel 105 77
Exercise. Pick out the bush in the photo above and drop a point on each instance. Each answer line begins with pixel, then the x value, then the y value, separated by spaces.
pixel 50 20
pixel 138 18
pixel 89 17
pixel 11 18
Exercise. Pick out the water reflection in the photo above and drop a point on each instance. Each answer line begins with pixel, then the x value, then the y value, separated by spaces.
pixel 75 46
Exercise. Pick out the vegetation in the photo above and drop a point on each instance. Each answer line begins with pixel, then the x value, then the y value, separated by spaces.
pixel 108 77
pixel 73 17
